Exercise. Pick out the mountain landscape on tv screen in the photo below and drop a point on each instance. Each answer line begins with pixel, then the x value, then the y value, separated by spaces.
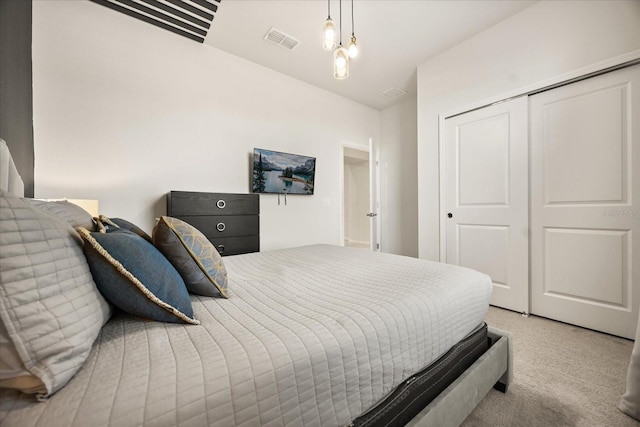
pixel 276 172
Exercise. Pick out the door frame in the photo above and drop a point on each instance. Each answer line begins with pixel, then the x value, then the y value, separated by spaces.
pixel 375 225
pixel 359 147
pixel 602 67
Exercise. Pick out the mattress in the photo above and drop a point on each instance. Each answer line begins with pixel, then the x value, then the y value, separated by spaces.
pixel 312 336
pixel 420 389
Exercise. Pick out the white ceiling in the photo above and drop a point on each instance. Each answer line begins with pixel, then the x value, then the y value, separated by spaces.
pixel 394 37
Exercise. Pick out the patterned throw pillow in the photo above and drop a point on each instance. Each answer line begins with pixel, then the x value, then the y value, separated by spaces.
pixel 135 277
pixel 193 255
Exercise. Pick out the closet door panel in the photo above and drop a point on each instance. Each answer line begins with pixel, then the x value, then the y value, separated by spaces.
pixel 585 202
pixel 584 147
pixel 589 265
pixel 486 195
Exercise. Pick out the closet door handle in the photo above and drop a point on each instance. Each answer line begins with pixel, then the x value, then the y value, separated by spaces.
pixel 450 215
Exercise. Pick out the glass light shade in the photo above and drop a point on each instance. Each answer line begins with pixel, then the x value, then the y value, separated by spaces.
pixel 353 48
pixel 329 35
pixel 340 63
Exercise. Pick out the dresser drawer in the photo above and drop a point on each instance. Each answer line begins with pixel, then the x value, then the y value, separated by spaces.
pixel 188 203
pixel 225 225
pixel 236 245
pixel 230 221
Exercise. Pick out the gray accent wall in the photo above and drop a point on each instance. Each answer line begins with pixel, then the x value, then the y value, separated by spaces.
pixel 16 93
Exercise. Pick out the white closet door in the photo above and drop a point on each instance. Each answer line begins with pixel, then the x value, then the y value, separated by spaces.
pixel 585 202
pixel 486 197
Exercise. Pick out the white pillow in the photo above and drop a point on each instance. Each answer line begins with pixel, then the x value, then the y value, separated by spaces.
pixel 50 308
pixel 10 179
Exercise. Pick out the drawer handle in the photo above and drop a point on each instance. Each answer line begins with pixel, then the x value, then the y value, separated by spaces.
pixel 221 226
pixel 221 204
pixel 220 249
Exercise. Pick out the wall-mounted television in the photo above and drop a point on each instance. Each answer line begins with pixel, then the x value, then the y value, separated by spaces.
pixel 283 173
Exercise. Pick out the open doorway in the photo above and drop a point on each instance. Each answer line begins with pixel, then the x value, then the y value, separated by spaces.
pixel 359 222
pixel 356 198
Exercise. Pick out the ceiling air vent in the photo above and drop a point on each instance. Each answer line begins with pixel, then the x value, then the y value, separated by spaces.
pixel 393 93
pixel 188 18
pixel 281 38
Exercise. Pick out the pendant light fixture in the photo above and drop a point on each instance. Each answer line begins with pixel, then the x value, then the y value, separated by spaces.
pixel 330 36
pixel 329 31
pixel 353 48
pixel 340 63
pixel 340 56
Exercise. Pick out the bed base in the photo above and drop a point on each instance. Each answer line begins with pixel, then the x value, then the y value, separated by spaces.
pixel 493 369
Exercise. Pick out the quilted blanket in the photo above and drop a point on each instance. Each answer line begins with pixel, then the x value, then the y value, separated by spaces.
pixel 310 336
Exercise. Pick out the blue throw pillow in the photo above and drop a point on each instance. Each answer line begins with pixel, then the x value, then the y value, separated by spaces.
pixel 106 224
pixel 134 276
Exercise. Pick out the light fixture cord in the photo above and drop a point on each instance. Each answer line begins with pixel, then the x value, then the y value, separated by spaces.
pixel 328 9
pixel 352 26
pixel 340 22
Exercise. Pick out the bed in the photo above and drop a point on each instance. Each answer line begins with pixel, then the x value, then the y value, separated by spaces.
pixel 317 336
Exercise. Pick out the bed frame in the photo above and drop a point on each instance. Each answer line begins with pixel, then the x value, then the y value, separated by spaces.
pixel 493 369
pixel 450 408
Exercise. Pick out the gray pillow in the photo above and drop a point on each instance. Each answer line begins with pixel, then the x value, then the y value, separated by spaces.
pixel 50 309
pixel 67 211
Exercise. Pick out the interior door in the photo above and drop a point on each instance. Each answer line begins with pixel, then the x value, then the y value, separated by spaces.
pixel 486 198
pixel 374 197
pixel 585 202
pixel 359 208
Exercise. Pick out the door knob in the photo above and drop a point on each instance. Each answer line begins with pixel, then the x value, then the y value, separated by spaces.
pixel 450 215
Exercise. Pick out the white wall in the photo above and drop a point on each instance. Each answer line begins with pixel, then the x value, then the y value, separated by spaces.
pixel 125 112
pixel 399 178
pixel 549 39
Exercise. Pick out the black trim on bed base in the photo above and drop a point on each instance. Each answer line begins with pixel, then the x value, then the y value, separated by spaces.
pixel 411 396
pixel 500 386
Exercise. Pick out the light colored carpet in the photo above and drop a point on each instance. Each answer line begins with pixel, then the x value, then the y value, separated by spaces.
pixel 563 376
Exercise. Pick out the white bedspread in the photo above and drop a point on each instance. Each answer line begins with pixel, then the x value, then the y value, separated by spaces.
pixel 310 336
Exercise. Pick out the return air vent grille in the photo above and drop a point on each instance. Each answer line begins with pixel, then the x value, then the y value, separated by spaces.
pixel 281 38
pixel 188 18
pixel 393 93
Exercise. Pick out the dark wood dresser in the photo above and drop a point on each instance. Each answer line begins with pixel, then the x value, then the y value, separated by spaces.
pixel 230 221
